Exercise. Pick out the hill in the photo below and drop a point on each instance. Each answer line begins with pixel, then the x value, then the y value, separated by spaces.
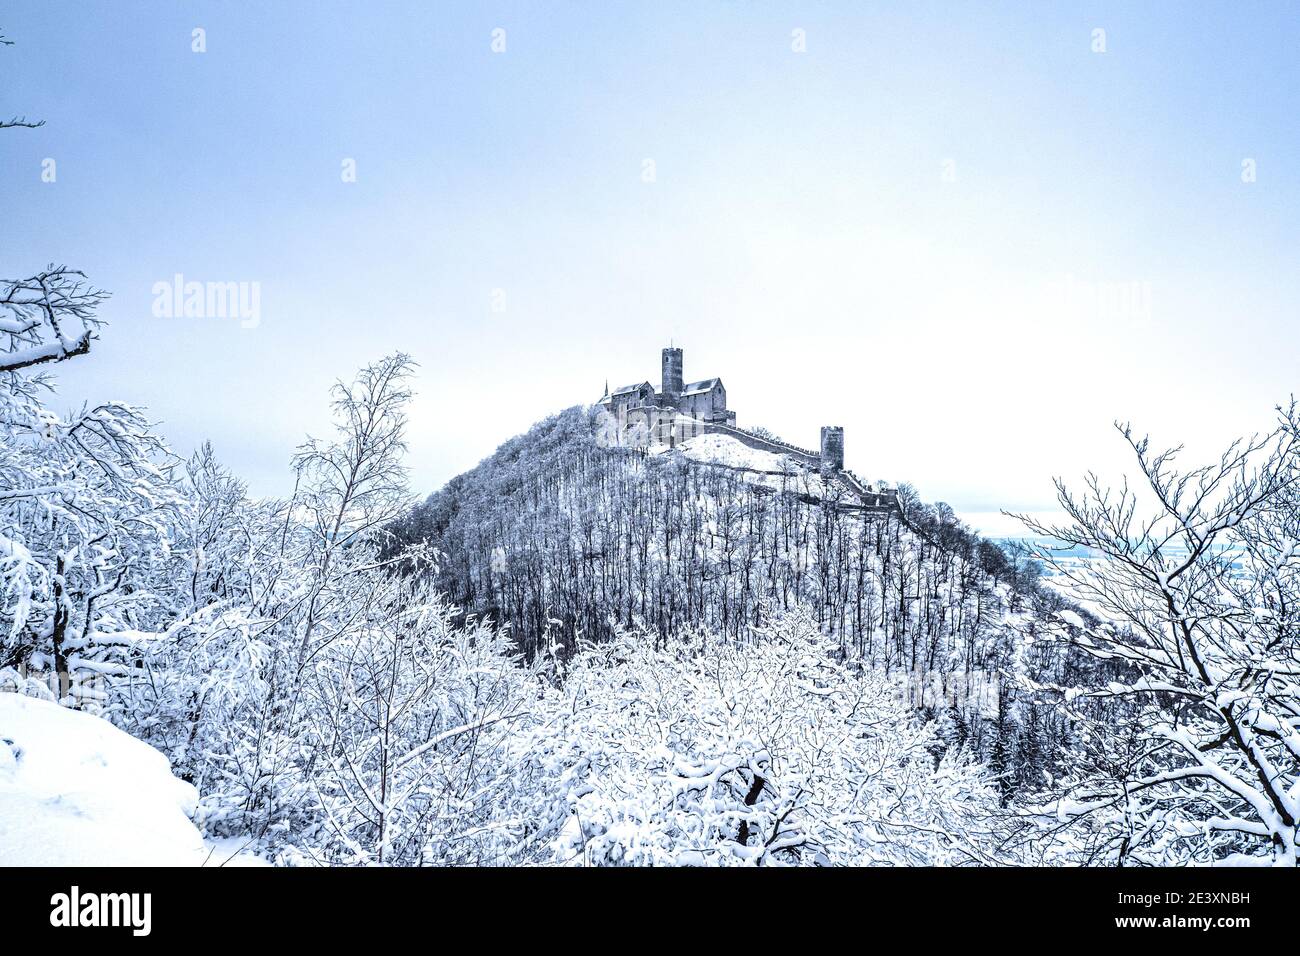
pixel 563 536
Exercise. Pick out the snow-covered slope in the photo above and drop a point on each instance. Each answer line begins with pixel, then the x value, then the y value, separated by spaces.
pixel 725 450
pixel 764 468
pixel 76 791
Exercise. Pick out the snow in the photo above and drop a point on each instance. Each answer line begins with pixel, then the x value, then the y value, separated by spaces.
pixel 76 791
pixel 1073 619
pixel 725 450
pixel 230 852
pixel 779 472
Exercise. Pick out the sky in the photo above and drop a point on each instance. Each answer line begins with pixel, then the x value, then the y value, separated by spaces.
pixel 973 235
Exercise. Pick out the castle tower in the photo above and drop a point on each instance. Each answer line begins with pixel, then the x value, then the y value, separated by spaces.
pixel 672 376
pixel 833 447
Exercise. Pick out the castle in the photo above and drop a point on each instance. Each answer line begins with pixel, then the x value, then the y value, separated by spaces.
pixel 680 410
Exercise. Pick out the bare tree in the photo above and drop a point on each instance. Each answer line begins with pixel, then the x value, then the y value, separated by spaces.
pixel 17 121
pixel 1198 590
pixel 50 316
pixel 350 488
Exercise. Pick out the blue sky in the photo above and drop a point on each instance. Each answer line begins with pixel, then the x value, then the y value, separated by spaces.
pixel 895 230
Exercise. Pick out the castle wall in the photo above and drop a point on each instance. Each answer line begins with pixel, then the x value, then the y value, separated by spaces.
pixel 619 404
pixel 699 406
pixel 886 499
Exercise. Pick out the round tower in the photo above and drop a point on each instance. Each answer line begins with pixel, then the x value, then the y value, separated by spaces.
pixel 833 447
pixel 672 376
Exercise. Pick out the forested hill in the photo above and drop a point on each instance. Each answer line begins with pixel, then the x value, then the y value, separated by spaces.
pixel 557 532
pixel 562 539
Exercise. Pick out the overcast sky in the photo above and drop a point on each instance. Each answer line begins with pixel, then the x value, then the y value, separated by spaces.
pixel 954 229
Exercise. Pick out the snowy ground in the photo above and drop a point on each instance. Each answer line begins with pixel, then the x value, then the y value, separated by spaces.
pixel 76 791
pixel 725 450
pixel 728 451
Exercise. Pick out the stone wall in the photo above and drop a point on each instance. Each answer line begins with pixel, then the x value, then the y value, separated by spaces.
pixel 884 500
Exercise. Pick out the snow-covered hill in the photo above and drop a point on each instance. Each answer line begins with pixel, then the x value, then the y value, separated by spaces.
pixel 562 536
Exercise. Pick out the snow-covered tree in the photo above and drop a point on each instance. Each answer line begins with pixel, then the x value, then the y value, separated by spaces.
pixel 86 503
pixel 48 317
pixel 766 751
pixel 1197 750
pixel 413 718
